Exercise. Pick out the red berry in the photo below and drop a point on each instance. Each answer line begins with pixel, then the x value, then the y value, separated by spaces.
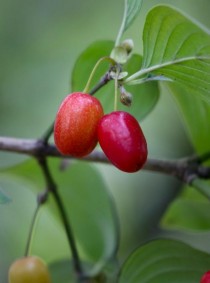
pixel 75 129
pixel 122 141
pixel 29 270
pixel 205 278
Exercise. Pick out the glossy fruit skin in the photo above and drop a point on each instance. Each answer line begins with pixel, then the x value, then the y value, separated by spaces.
pixel 75 128
pixel 205 278
pixel 122 140
pixel 29 270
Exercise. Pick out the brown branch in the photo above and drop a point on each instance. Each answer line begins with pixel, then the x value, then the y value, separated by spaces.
pixel 185 169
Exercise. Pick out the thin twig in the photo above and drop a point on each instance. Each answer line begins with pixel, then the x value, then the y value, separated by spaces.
pixel 51 186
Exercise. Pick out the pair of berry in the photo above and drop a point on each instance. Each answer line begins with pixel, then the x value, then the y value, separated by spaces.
pixel 80 123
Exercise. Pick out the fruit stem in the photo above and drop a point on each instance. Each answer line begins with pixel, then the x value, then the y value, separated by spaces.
pixel 41 199
pixel 48 133
pixel 86 89
pixel 116 88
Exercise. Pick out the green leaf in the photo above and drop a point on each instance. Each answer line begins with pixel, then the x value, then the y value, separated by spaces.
pixel 177 48
pixel 196 115
pixel 165 261
pixel 91 211
pixel 202 186
pixel 62 271
pixel 145 96
pixel 188 214
pixel 196 239
pixel 86 62
pixel 131 10
pixel 4 198
pixel 89 207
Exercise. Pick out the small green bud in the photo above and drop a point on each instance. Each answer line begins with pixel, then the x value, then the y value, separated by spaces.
pixel 128 45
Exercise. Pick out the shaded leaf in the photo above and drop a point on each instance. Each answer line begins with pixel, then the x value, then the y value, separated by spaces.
pixel 197 239
pixel 196 116
pixel 4 198
pixel 91 212
pixel 177 48
pixel 89 208
pixel 145 96
pixel 188 214
pixel 132 9
pixel 86 62
pixel 62 271
pixel 202 186
pixel 165 261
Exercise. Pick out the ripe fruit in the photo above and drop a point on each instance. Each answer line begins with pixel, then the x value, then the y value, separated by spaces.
pixel 205 278
pixel 29 270
pixel 123 141
pixel 75 129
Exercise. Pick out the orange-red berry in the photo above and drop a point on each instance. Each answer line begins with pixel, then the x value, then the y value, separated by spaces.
pixel 75 128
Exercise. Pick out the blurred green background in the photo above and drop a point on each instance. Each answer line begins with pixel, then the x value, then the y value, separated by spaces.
pixel 39 43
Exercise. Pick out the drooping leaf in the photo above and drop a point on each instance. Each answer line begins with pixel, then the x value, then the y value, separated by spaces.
pixel 131 10
pixel 165 261
pixel 202 186
pixel 62 271
pixel 4 198
pixel 91 212
pixel 177 48
pixel 196 116
pixel 196 239
pixel 145 96
pixel 188 214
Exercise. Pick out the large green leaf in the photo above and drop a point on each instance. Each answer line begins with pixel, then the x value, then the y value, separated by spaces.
pixel 145 96
pixel 196 239
pixel 165 261
pixel 187 213
pixel 196 114
pixel 3 197
pixel 91 212
pixel 176 48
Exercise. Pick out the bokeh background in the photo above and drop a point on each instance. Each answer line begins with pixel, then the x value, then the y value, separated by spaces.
pixel 39 43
